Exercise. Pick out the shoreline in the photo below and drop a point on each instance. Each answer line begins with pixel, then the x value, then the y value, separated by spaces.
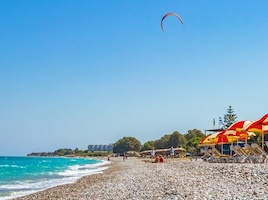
pixel 65 190
pixel 138 178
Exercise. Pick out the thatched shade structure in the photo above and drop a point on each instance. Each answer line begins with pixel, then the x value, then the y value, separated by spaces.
pixel 178 152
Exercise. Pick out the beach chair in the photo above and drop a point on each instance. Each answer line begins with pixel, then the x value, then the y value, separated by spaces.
pixel 239 156
pixel 254 154
pixel 261 151
pixel 266 143
pixel 251 150
pixel 251 156
pixel 207 155
pixel 235 150
pixel 219 157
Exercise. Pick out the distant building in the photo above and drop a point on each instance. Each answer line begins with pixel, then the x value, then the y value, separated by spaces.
pixel 104 147
pixel 90 147
pixel 101 147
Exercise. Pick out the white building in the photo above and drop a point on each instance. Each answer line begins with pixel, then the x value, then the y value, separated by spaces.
pixel 101 147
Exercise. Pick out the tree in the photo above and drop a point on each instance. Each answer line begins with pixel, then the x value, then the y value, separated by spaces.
pixel 256 139
pixel 193 138
pixel 193 134
pixel 177 139
pixel 63 152
pixel 230 117
pixel 148 146
pixel 127 144
pixel 163 142
pixel 193 142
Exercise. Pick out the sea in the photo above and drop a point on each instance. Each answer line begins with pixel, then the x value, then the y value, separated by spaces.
pixel 20 176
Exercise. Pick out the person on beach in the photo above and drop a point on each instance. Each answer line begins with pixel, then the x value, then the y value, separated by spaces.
pixel 171 152
pixel 157 159
pixel 152 153
pixel 161 159
pixel 124 156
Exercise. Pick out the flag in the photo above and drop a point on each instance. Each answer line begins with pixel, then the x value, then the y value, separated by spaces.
pixel 220 121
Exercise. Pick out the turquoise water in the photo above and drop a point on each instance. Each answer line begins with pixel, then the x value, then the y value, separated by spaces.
pixel 24 175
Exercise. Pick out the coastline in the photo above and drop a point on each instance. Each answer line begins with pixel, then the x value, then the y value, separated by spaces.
pixel 138 178
pixel 71 190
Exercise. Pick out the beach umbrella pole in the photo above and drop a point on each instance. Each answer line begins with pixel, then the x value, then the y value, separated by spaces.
pixel 262 145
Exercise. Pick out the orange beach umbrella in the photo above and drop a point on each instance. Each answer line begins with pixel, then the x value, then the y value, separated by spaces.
pixel 218 138
pixel 240 135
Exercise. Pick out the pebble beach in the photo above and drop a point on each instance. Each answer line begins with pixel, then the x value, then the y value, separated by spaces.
pixel 138 178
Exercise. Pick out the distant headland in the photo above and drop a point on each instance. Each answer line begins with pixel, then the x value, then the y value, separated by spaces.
pixel 71 153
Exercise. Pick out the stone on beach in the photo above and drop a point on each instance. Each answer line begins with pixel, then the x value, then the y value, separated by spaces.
pixel 174 179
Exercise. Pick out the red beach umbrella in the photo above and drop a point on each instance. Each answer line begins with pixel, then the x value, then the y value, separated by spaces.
pixel 258 126
pixel 239 125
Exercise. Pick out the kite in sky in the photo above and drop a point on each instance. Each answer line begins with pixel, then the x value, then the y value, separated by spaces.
pixel 169 14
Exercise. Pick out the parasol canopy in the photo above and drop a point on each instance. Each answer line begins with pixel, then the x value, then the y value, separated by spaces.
pixel 218 138
pixel 240 135
pixel 258 126
pixel 239 125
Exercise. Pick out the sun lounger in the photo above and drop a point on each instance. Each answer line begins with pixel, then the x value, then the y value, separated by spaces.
pixel 251 150
pixel 247 154
pixel 240 156
pixel 261 151
pixel 236 150
pixel 218 156
pixel 251 155
pixel 207 155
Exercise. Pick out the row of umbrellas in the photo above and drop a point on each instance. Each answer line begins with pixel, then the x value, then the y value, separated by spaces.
pixel 241 130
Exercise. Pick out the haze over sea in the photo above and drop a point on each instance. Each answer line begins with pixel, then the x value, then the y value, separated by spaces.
pixel 24 175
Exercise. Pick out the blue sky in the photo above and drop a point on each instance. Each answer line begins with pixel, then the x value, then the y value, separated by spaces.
pixel 74 73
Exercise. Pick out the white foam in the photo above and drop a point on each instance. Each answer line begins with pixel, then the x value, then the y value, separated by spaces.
pixel 79 171
pixel 14 166
pixel 70 175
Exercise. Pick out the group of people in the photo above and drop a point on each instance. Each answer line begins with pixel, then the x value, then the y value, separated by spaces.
pixel 159 159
